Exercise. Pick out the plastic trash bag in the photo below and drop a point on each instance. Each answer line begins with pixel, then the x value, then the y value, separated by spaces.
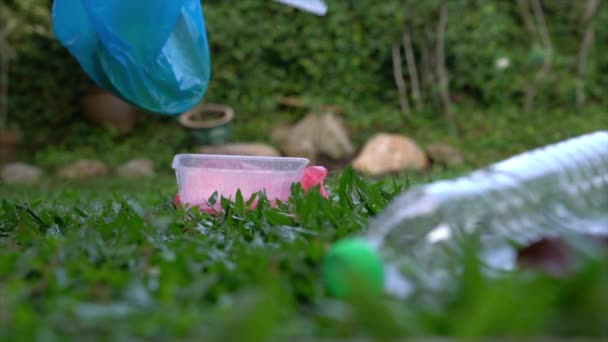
pixel 151 53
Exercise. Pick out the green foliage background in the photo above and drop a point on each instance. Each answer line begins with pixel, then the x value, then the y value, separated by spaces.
pixel 261 50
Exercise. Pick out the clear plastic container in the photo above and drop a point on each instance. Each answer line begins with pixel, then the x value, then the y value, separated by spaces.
pixel 556 191
pixel 199 176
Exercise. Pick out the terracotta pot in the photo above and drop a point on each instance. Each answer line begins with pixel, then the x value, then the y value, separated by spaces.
pixel 108 110
pixel 209 124
pixel 9 141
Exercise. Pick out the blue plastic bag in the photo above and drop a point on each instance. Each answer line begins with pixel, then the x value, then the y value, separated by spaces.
pixel 152 53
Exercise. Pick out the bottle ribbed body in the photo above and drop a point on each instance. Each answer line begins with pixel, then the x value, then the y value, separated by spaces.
pixel 556 190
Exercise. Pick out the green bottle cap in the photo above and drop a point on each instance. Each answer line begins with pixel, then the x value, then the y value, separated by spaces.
pixel 351 265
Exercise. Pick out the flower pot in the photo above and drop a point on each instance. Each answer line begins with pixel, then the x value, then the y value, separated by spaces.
pixel 108 110
pixel 208 124
pixel 9 141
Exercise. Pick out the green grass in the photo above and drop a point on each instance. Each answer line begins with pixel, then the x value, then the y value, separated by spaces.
pixel 115 260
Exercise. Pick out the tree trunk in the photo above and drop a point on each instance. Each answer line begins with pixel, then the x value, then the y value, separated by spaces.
pixel 583 52
pixel 526 16
pixel 401 87
pixel 539 33
pixel 442 73
pixel 4 61
pixel 427 64
pixel 412 68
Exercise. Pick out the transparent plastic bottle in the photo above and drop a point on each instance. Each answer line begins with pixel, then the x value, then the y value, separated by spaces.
pixel 556 190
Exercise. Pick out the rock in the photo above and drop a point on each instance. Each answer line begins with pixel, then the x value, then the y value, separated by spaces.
pixel 334 142
pixel 84 168
pixel 444 154
pixel 241 149
pixel 301 139
pixel 108 110
pixel 314 135
pixel 9 142
pixel 386 153
pixel 280 133
pixel 290 101
pixel 20 173
pixel 137 168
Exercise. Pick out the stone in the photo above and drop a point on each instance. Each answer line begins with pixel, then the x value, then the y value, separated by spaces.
pixel 139 167
pixel 83 169
pixel 242 149
pixel 280 133
pixel 107 110
pixel 9 142
pixel 313 136
pixel 20 173
pixel 304 149
pixel 387 153
pixel 334 141
pixel 444 154
pixel 303 137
